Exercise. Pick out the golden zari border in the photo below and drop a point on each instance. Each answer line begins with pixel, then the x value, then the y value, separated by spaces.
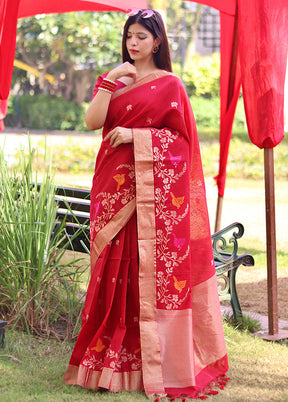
pixel 106 378
pixel 109 231
pixel 145 207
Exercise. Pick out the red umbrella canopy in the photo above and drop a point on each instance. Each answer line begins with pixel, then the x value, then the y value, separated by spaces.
pixel 11 10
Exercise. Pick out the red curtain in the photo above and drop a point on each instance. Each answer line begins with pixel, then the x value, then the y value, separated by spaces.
pixel 254 36
pixel 263 46
pixel 230 83
pixel 8 27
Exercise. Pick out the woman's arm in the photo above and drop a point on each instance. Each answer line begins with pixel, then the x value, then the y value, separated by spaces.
pixel 97 111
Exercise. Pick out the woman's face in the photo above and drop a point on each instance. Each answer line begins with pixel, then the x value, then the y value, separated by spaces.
pixel 140 42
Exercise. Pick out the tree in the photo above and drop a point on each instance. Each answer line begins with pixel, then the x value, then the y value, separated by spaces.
pixel 183 19
pixel 73 47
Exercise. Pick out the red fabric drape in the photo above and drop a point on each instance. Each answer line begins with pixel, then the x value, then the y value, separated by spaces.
pixel 230 79
pixel 263 45
pixel 259 30
pixel 230 82
pixel 28 8
pixel 8 27
pixel 10 10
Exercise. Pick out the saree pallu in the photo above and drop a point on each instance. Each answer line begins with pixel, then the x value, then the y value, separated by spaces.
pixel 152 317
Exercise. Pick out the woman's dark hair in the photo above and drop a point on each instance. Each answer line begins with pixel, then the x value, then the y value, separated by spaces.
pixel 155 25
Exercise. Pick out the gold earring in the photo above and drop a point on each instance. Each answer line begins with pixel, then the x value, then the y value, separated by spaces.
pixel 155 50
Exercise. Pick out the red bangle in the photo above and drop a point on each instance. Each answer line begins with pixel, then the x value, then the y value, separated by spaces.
pixel 110 81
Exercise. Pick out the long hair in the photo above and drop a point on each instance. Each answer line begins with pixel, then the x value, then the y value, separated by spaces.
pixel 155 25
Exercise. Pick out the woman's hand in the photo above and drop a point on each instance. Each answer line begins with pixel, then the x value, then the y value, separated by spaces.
pixel 97 111
pixel 124 70
pixel 119 135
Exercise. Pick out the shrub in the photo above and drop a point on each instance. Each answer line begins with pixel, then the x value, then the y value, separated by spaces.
pixel 44 113
pixel 37 291
pixel 202 75
pixel 207 113
pixel 245 323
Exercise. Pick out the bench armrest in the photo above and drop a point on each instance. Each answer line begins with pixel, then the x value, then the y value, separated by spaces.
pixel 220 243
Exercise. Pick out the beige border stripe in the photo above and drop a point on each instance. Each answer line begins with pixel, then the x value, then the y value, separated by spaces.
pixel 142 81
pixel 145 206
pixel 88 378
pixel 111 229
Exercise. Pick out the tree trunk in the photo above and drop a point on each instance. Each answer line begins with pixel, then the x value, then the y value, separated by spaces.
pixel 82 84
pixel 192 29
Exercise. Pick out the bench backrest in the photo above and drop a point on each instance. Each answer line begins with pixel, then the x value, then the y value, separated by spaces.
pixel 74 208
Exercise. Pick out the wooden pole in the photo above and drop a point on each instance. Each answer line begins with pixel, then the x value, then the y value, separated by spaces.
pixel 271 242
pixel 218 213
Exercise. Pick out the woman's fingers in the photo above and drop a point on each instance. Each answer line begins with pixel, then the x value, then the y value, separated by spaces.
pixel 119 135
pixel 126 69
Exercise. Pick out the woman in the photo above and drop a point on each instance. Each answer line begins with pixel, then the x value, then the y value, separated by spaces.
pixel 151 319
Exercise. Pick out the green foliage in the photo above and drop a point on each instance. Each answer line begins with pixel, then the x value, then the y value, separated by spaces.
pixel 73 47
pixel 46 113
pixel 202 75
pixel 246 323
pixel 80 38
pixel 206 111
pixel 73 156
pixel 182 21
pixel 207 114
pixel 37 291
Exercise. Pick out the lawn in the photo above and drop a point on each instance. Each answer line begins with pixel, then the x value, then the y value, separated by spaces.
pixel 33 368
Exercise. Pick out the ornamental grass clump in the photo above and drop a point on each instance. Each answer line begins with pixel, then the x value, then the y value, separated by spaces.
pixel 38 293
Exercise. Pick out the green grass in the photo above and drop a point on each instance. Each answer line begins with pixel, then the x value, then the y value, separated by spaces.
pixel 33 368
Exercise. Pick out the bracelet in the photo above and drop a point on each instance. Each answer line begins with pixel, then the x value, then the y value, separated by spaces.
pixel 111 82
pixel 108 85
pixel 106 90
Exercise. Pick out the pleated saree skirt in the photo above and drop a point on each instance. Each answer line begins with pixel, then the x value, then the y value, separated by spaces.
pixel 107 352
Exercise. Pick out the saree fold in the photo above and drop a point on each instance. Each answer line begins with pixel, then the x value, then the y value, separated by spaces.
pixel 152 318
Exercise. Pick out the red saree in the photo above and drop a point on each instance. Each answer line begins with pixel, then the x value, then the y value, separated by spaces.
pixel 152 318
